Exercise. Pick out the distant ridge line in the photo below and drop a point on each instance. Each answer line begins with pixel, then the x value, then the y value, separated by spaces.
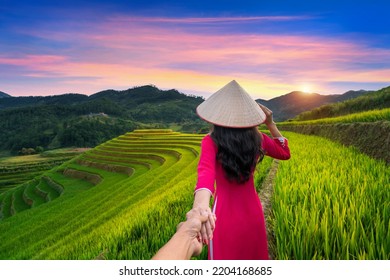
pixel 4 95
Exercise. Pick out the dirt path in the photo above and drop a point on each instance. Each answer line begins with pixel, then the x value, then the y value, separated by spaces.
pixel 265 195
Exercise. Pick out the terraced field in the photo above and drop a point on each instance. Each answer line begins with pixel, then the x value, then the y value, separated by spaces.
pixel 16 174
pixel 124 199
pixel 105 203
pixel 121 200
pixel 20 169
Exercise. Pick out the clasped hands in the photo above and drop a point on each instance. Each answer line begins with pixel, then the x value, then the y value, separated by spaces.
pixel 200 226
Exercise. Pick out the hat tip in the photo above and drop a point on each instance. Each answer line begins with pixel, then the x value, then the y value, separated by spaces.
pixel 233 83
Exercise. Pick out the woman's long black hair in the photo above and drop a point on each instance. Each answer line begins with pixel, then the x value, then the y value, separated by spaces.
pixel 239 150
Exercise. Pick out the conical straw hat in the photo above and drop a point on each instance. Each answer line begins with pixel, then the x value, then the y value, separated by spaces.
pixel 231 106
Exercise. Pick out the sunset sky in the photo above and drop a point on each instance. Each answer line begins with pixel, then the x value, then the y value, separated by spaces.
pixel 270 47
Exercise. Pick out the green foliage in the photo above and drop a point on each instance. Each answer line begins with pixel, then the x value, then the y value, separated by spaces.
pixel 39 149
pixel 91 131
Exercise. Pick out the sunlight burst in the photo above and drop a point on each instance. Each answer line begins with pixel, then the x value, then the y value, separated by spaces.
pixel 306 88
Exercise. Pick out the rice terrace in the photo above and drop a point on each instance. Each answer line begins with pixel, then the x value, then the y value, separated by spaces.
pixel 103 109
pixel 124 198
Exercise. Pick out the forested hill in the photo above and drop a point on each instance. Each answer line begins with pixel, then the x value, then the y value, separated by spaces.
pixel 80 120
pixel 289 105
pixel 126 98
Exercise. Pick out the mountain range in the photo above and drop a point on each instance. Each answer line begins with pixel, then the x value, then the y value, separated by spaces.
pixel 284 107
pixel 292 104
pixel 85 121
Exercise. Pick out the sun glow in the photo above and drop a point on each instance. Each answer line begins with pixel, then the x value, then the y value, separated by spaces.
pixel 306 88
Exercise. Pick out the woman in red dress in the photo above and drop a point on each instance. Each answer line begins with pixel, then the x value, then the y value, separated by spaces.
pixel 235 228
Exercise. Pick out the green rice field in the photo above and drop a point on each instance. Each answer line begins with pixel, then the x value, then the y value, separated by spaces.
pixel 124 199
pixel 330 202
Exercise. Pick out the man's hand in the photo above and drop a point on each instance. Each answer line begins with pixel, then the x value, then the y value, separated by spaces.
pixel 186 242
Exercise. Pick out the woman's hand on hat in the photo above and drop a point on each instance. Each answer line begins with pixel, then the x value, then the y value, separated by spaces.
pixel 268 115
pixel 269 122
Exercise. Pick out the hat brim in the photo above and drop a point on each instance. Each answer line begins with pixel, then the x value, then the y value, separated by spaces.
pixel 231 106
pixel 226 125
